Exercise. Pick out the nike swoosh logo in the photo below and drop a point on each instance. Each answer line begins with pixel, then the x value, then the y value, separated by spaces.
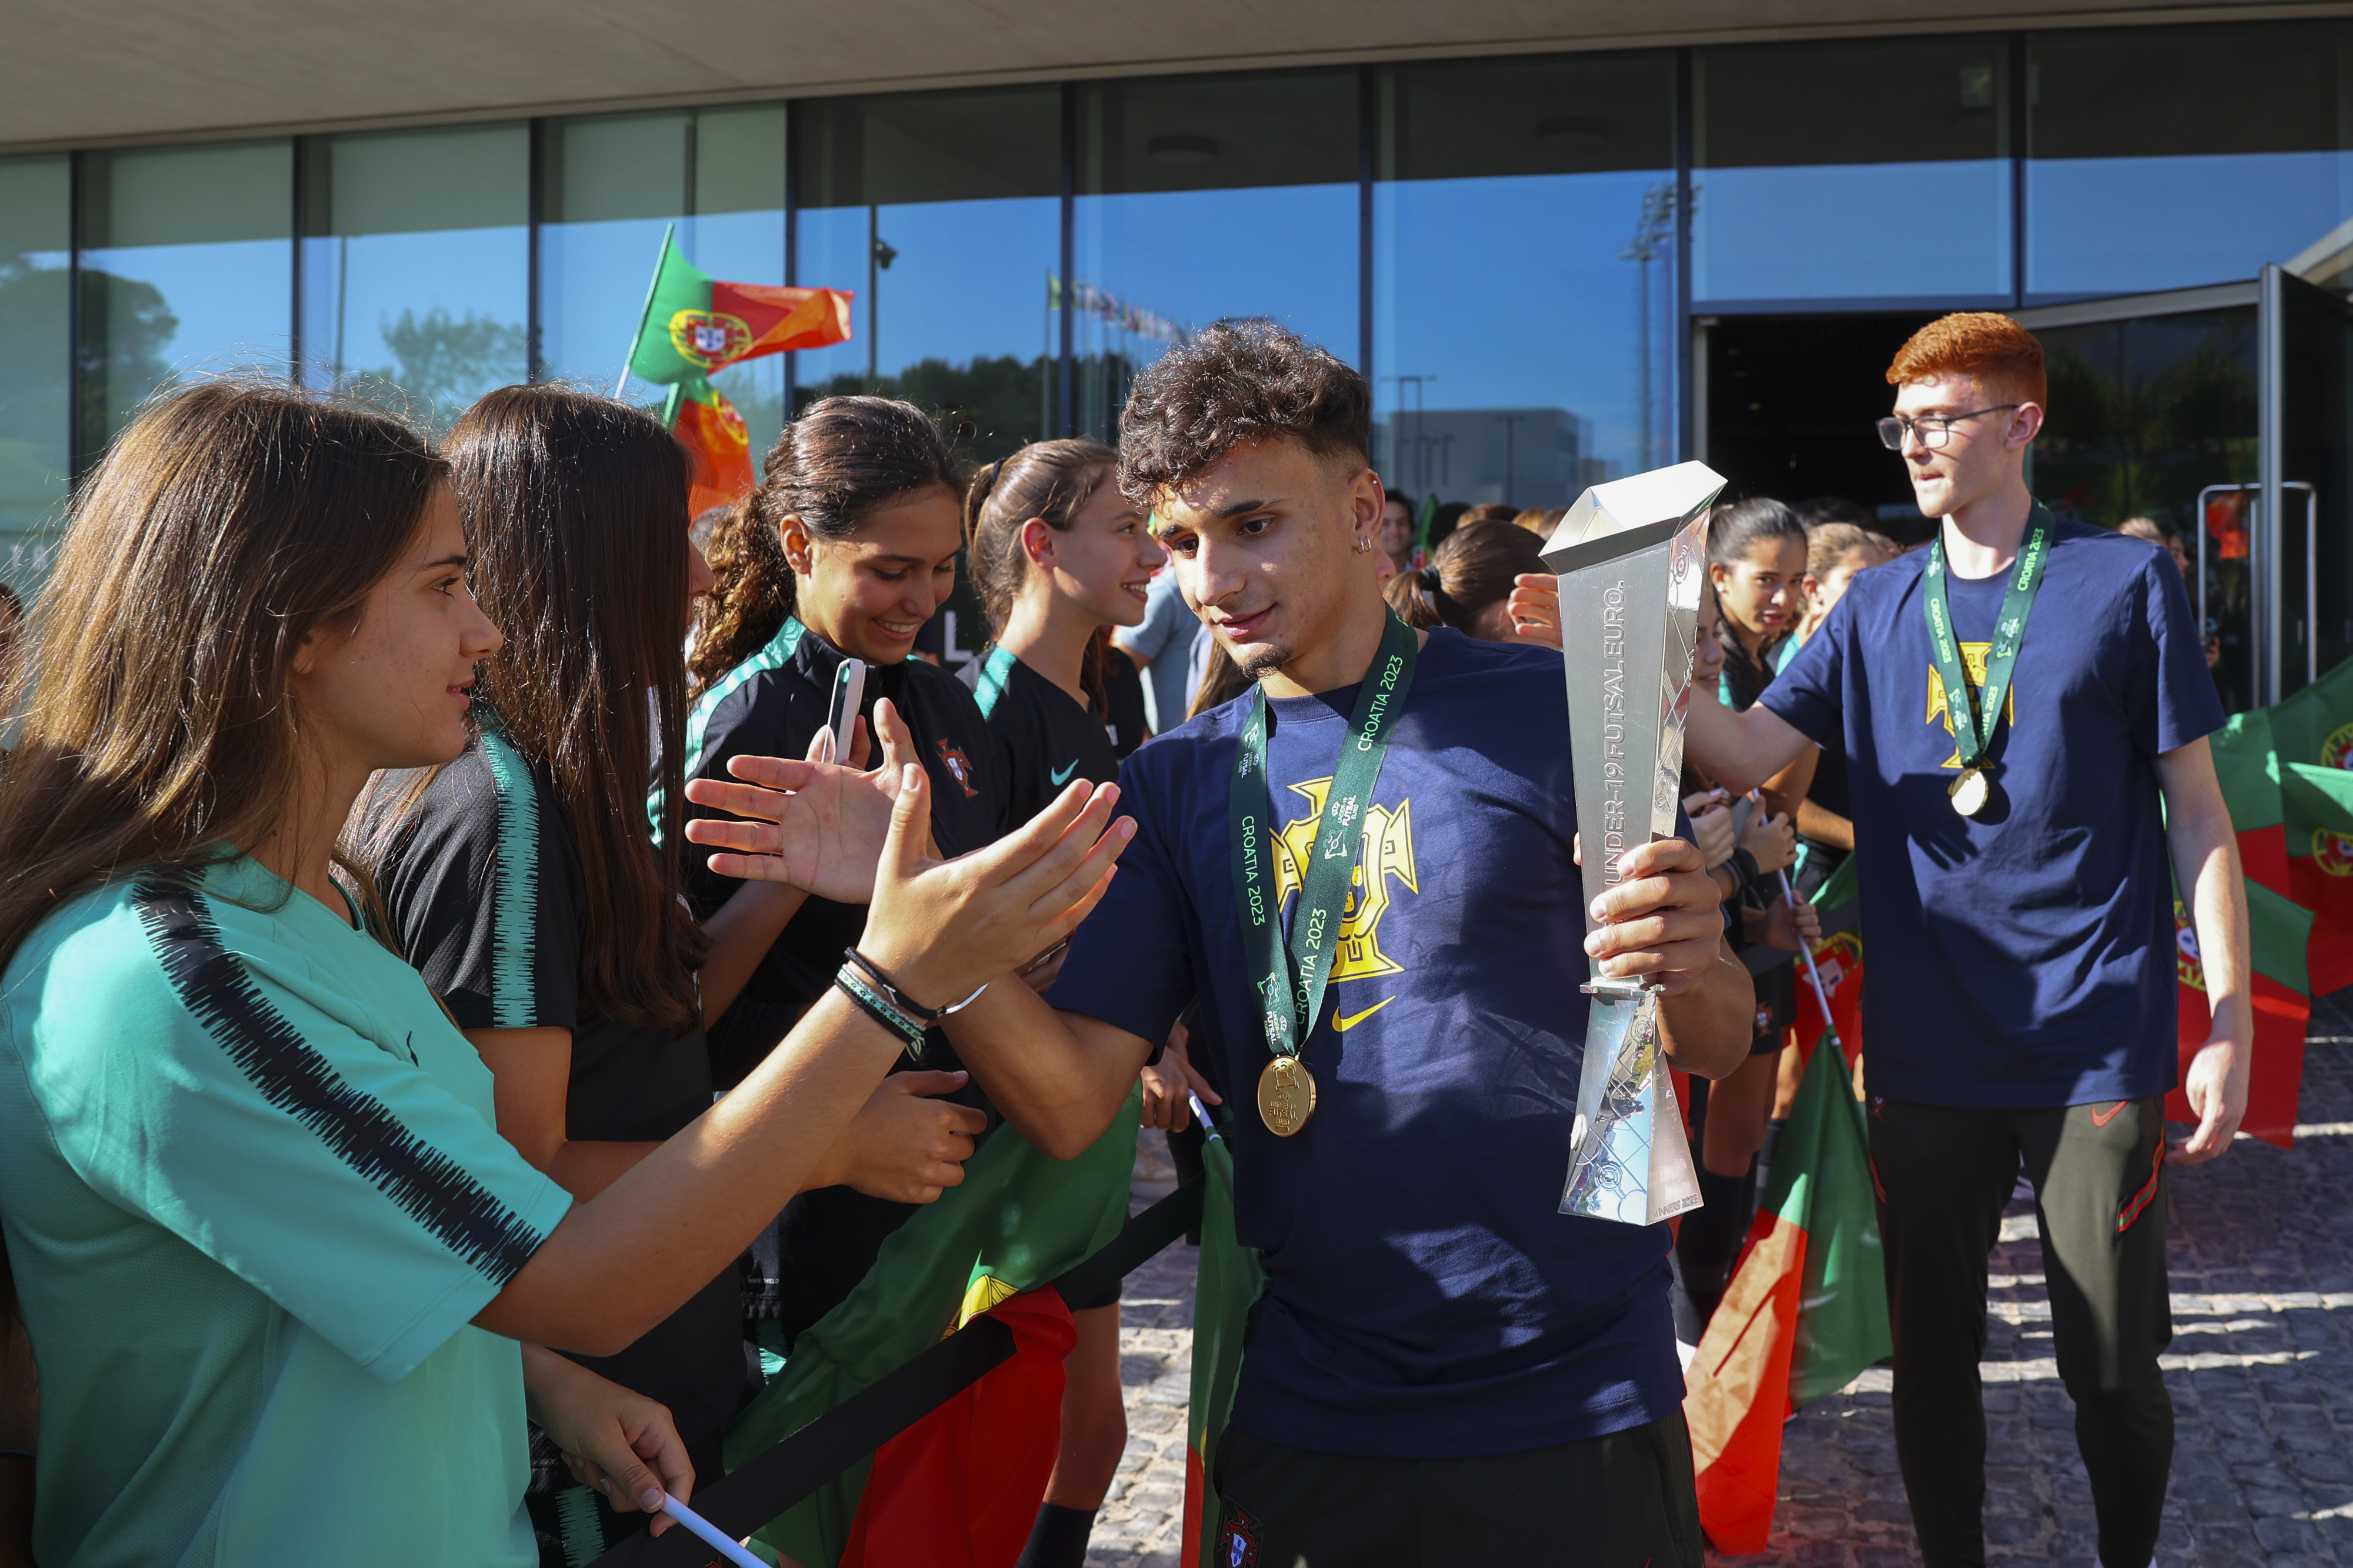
pixel 1350 1020
pixel 2101 1119
pixel 1063 775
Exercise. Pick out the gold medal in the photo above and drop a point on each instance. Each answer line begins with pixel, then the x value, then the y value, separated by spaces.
pixel 1286 1096
pixel 1970 792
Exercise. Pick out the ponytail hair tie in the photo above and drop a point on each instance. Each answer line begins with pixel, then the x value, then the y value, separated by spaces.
pixel 1428 577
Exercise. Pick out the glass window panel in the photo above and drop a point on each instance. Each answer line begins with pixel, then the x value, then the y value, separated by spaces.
pixel 1208 197
pixel 188 265
pixel 36 432
pixel 2162 158
pixel 941 211
pixel 1523 276
pixel 416 263
pixel 610 187
pixel 1813 164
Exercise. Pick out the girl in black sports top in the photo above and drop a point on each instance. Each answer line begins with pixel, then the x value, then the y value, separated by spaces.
pixel 1058 554
pixel 847 547
pixel 524 881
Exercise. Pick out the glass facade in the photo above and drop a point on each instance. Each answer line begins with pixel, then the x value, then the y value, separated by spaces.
pixel 35 383
pixel 1872 171
pixel 1211 196
pixel 611 186
pixel 941 213
pixel 416 263
pixel 2168 157
pixel 186 267
pixel 1528 254
pixel 1523 276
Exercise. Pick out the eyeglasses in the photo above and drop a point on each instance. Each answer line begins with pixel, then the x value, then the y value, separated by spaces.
pixel 1932 428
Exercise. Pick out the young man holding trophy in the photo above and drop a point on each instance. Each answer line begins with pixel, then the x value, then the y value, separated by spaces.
pixel 2017 908
pixel 1364 871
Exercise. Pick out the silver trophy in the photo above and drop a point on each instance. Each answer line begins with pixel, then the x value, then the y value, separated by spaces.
pixel 1630 556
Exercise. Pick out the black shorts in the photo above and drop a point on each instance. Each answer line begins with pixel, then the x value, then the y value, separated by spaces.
pixel 1621 1500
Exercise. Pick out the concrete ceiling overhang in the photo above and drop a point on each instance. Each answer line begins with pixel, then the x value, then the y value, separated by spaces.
pixel 91 72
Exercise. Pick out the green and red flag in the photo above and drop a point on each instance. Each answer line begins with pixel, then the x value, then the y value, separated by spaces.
pixel 960 1488
pixel 2247 765
pixel 2315 727
pixel 692 327
pixel 1838 959
pixel 1226 1286
pixel 2278 935
pixel 1806 1312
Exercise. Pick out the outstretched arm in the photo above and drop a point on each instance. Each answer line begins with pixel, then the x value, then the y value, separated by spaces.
pixel 621 1262
pixel 1738 751
pixel 2206 868
pixel 1059 1077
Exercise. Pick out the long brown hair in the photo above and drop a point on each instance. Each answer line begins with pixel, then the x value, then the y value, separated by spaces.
pixel 830 468
pixel 1474 569
pixel 1052 481
pixel 576 522
pixel 228 523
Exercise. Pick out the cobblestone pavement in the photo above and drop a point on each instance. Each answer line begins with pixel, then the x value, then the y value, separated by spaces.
pixel 2261 1369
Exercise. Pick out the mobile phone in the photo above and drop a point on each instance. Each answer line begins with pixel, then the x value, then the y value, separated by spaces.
pixel 848 693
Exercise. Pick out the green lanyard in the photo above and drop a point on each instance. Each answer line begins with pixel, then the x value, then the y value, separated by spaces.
pixel 1976 719
pixel 1294 997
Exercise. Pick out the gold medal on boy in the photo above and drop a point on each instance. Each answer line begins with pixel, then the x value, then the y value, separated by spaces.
pixel 1971 791
pixel 1286 1096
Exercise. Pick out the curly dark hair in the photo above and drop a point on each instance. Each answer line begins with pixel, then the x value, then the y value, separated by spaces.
pixel 1240 379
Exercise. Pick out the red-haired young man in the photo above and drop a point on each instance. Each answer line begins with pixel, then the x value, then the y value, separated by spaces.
pixel 2019 915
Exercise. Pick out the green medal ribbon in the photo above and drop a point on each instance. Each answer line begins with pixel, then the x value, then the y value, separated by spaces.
pixel 1975 717
pixel 1292 980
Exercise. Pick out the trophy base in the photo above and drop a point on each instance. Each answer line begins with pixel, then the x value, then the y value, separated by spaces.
pixel 1630 1163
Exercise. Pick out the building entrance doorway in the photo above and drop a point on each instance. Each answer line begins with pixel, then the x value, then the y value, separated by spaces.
pixel 2222 413
pixel 1786 407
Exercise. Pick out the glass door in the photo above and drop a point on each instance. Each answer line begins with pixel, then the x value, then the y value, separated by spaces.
pixel 2309 356
pixel 2222 413
pixel 2154 413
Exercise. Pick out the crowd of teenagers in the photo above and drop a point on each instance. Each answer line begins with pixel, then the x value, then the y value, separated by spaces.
pixel 477 992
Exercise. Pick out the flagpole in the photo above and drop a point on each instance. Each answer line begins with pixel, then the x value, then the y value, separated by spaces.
pixel 1789 896
pixel 1821 995
pixel 651 287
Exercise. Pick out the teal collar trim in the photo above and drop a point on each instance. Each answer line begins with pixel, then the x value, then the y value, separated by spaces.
pixel 777 654
pixel 993 677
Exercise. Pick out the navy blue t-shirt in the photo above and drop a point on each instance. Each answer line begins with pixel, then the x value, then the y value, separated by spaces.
pixel 1425 1299
pixel 2025 957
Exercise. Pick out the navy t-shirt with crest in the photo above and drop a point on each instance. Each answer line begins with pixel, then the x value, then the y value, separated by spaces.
pixel 2025 957
pixel 1425 1298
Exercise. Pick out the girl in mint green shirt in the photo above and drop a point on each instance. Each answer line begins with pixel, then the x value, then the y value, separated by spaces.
pixel 284 1285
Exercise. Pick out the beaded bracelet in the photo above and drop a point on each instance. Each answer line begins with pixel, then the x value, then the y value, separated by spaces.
pixel 881 985
pixel 853 985
pixel 928 1016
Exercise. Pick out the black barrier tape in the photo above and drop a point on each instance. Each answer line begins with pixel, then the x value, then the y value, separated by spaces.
pixel 767 1485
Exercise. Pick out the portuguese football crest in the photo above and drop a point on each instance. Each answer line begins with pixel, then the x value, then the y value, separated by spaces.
pixel 708 338
pixel 2330 853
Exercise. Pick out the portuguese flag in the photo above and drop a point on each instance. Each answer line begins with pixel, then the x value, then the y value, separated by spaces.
pixel 2314 727
pixel 2278 932
pixel 1228 1285
pixel 959 1488
pixel 1838 959
pixel 694 325
pixel 1806 1313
